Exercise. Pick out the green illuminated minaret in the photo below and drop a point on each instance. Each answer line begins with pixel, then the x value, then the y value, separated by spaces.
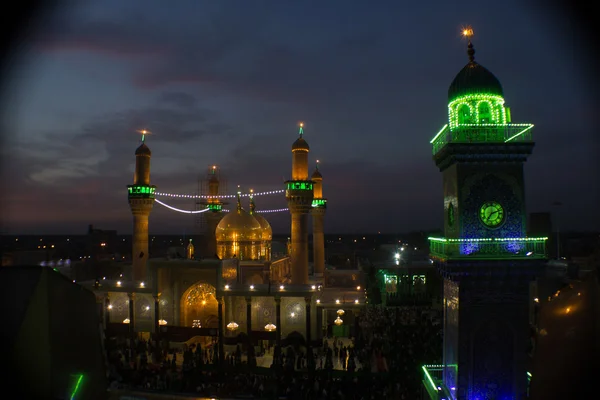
pixel 299 195
pixel 141 200
pixel 484 256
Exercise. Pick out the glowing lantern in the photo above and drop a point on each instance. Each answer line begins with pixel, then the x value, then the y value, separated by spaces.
pixel 232 326
pixel 270 327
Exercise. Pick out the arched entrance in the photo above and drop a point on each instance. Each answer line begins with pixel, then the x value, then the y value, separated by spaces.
pixel 199 307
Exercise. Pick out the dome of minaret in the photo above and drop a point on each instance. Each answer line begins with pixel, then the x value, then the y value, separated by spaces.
pixel 474 79
pixel 143 150
pixel 316 176
pixel 300 144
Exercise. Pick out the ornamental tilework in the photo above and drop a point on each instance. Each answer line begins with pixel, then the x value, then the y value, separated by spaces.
pixel 120 307
pixel 491 187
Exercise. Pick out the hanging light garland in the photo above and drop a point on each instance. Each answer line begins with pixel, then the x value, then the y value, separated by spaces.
pixel 226 196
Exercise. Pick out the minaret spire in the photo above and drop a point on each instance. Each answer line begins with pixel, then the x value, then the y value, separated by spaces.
pixel 301 129
pixel 252 205
pixel 468 33
pixel 239 199
pixel 144 133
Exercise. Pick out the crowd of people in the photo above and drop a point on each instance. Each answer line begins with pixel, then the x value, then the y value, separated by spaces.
pixel 382 361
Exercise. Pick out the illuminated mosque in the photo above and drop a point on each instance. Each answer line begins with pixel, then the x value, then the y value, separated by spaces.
pixel 238 291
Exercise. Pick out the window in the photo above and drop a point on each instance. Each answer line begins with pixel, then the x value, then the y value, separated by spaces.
pixel 485 113
pixel 464 114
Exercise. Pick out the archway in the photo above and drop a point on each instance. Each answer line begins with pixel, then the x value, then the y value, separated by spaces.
pixel 199 307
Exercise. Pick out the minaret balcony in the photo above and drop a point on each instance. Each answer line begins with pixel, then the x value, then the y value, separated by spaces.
pixel 487 248
pixel 141 191
pixel 482 133
pixel 433 383
pixel 299 185
pixel 319 203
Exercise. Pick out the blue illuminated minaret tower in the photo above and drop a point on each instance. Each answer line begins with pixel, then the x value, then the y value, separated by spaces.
pixel 141 200
pixel 485 259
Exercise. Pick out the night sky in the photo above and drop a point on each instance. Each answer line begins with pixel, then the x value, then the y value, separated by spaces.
pixel 226 83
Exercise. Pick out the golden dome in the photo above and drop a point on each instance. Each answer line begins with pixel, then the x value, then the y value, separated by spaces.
pixel 300 145
pixel 238 226
pixel 267 231
pixel 239 235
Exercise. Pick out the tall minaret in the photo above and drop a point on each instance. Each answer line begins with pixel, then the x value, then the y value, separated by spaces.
pixel 141 200
pixel 299 195
pixel 215 213
pixel 319 206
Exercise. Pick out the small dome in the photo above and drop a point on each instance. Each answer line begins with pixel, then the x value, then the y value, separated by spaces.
pixel 474 79
pixel 238 225
pixel 143 150
pixel 267 231
pixel 300 145
pixel 316 176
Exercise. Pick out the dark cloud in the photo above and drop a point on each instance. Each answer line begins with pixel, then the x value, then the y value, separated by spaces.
pixel 370 81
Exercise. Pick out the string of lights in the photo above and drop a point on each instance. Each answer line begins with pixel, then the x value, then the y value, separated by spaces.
pixel 207 209
pixel 180 210
pixel 225 196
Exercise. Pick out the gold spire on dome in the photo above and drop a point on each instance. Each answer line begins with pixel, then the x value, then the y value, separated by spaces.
pixel 239 199
pixel 266 230
pixel 467 32
pixel 252 205
pixel 239 234
pixel 143 149
pixel 300 144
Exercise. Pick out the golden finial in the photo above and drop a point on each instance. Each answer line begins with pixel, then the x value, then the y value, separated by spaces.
pixel 144 132
pixel 467 32
pixel 301 131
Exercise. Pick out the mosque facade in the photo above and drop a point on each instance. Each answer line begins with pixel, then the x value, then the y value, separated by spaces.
pixel 241 288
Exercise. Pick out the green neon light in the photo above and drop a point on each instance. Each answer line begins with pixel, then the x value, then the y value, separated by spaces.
pixel 141 191
pixel 319 203
pixel 299 185
pixel 215 207
pixel 520 133
pixel 74 392
pixel 480 108
pixel 439 133
pixel 429 378
pixel 444 240
pixel 481 133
